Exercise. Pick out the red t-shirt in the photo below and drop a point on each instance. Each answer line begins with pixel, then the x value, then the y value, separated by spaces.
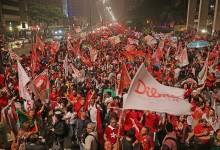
pixel 198 129
pixel 77 105
pixel 128 123
pixel 197 114
pixel 152 121
pixel 53 100
pixel 146 141
pixel 71 97
pixel 111 134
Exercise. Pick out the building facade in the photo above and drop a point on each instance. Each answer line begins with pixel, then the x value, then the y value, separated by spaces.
pixel 203 15
pixel 12 14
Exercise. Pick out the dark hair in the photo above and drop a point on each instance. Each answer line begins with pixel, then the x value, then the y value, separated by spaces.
pixel 130 133
pixel 169 127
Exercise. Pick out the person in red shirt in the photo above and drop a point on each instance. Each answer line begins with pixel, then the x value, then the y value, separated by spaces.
pixel 53 98
pixel 197 113
pixel 111 131
pixel 202 137
pixel 151 121
pixel 71 94
pixel 144 139
pixel 132 114
pixel 77 103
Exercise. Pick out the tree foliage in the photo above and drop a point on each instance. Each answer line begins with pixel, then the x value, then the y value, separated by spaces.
pixel 40 13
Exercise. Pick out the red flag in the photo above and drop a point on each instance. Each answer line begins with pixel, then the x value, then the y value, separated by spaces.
pixel 39 44
pixel 99 126
pixel 89 95
pixel 34 59
pixel 130 55
pixel 75 49
pixel 40 85
pixel 86 61
pixel 125 79
pixel 158 54
pixel 54 47
pixel 69 46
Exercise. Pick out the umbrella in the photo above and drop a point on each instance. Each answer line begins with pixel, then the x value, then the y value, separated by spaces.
pixel 198 44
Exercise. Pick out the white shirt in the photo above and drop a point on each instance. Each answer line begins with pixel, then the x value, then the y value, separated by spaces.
pixel 93 113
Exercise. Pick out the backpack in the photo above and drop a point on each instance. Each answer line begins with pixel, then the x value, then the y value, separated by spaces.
pixel 165 147
pixel 99 145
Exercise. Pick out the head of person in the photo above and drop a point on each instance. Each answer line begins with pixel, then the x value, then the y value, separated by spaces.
pixel 202 122
pixel 218 133
pixel 169 127
pixel 90 127
pixel 211 112
pixel 82 114
pixel 181 118
pixel 92 101
pixel 31 113
pixel 58 115
pixel 113 122
pixel 33 138
pixel 144 131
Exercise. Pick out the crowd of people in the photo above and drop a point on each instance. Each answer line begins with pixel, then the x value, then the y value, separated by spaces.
pixel 83 109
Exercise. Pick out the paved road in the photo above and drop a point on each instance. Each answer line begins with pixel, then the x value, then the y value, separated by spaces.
pixel 24 50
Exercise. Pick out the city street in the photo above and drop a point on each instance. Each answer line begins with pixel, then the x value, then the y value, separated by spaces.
pixel 24 50
pixel 110 74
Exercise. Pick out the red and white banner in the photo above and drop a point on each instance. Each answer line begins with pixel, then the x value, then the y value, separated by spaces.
pixel 40 86
pixel 23 79
pixel 146 93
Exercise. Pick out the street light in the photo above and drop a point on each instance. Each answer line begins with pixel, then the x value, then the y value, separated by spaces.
pixel 204 31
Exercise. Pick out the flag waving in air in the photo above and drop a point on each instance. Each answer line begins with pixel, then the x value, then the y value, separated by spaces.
pixel 23 79
pixel 125 80
pixel 203 73
pixel 146 93
pixel 40 86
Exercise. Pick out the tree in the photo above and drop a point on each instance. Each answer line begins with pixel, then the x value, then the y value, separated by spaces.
pixel 41 13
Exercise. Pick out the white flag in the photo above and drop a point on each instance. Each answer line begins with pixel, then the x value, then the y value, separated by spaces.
pixel 76 71
pixel 203 73
pixel 23 92
pixel 146 93
pixel 183 58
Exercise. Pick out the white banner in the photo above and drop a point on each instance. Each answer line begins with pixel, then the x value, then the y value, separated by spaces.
pixel 146 93
pixel 23 92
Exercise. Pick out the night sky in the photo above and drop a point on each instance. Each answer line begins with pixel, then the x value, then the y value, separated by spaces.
pixel 162 10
